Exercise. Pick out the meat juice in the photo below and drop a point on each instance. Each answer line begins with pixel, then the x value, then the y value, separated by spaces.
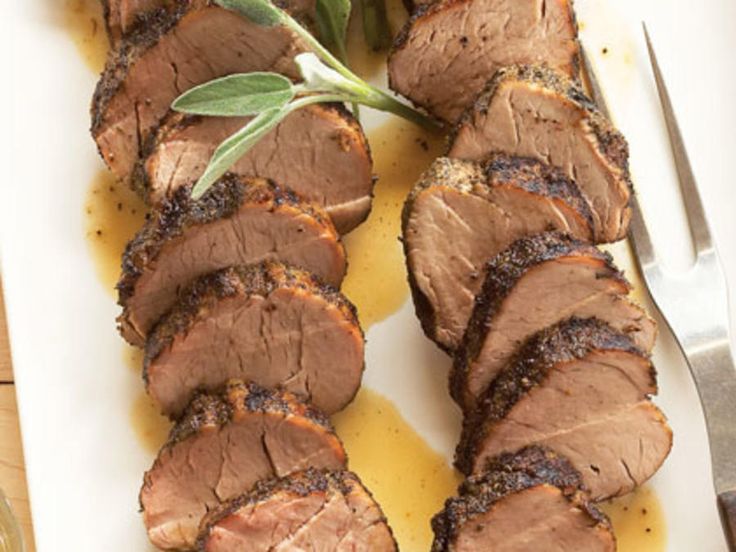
pixel 83 19
pixel 638 521
pixel 376 281
pixel 408 479
pixel 113 214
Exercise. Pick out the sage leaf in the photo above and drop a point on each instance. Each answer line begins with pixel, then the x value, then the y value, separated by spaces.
pixel 333 17
pixel 237 95
pixel 375 24
pixel 261 12
pixel 237 145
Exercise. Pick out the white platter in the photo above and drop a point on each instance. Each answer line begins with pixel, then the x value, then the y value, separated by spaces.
pixel 83 461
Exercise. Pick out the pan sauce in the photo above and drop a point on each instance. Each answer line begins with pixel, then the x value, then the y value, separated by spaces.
pixel 113 214
pixel 376 280
pixel 83 19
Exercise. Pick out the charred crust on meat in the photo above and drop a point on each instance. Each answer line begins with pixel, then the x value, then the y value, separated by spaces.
pixel 612 143
pixel 505 475
pixel 496 170
pixel 502 274
pixel 299 484
pixel 572 339
pixel 147 31
pixel 261 279
pixel 236 398
pixel 176 215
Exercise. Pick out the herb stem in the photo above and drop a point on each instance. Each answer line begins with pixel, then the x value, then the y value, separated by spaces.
pixel 317 47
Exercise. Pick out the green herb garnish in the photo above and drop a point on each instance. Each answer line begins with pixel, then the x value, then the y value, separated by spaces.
pixel 271 97
pixel 375 24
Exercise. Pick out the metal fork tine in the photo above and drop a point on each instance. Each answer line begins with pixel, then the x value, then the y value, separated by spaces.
pixel 691 197
pixel 638 231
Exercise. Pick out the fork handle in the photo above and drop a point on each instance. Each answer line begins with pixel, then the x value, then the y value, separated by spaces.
pixel 727 507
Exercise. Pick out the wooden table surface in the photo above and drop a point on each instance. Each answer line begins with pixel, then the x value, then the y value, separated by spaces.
pixel 12 470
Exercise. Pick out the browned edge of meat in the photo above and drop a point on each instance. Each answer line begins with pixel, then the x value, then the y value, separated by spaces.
pixel 429 13
pixel 195 309
pixel 174 218
pixel 570 340
pixel 507 475
pixel 502 274
pixel 124 16
pixel 301 485
pixel 613 144
pixel 341 180
pixel 610 143
pixel 153 25
pixel 208 417
pixel 534 180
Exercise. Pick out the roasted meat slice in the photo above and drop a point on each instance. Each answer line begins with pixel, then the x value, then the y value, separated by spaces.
pixel 158 61
pixel 582 389
pixel 449 49
pixel 266 323
pixel 536 112
pixel 320 152
pixel 535 283
pixel 122 16
pixel 221 448
pixel 531 500
pixel 239 221
pixel 311 510
pixel 461 214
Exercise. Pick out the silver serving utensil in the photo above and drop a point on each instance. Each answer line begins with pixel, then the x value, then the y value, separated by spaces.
pixel 694 303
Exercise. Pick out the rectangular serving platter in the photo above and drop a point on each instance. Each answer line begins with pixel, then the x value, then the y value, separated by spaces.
pixel 84 461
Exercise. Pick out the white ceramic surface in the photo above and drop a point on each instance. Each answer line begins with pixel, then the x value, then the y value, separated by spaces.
pixel 83 461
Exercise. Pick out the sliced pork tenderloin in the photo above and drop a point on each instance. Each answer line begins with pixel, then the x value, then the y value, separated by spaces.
pixel 535 283
pixel 320 152
pixel 582 389
pixel 277 326
pixel 310 510
pixel 221 448
pixel 537 112
pixel 239 221
pixel 461 214
pixel 531 500
pixel 123 16
pixel 156 62
pixel 449 49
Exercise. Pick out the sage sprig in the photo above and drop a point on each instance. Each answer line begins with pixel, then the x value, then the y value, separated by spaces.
pixel 271 97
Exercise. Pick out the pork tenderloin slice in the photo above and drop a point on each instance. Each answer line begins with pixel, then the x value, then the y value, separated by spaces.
pixel 448 50
pixel 537 112
pixel 222 447
pixel 320 152
pixel 309 510
pixel 156 62
pixel 531 500
pixel 274 325
pixel 123 16
pixel 535 283
pixel 582 389
pixel 239 221
pixel 461 214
